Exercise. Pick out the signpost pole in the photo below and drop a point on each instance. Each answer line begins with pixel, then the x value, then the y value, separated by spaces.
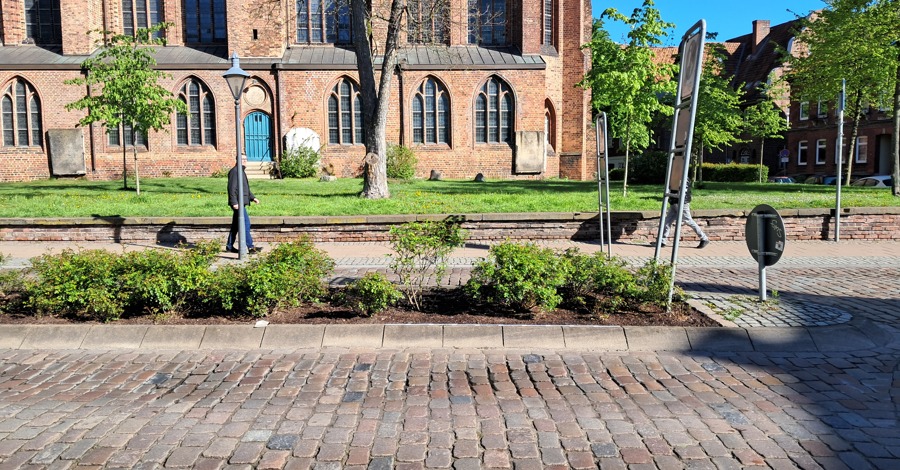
pixel 761 253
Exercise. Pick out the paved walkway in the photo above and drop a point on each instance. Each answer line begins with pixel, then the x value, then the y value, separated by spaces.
pixel 750 397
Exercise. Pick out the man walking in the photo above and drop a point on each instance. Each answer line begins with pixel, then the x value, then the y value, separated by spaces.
pixel 236 211
pixel 672 217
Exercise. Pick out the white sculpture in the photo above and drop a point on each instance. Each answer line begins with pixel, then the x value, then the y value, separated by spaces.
pixel 301 137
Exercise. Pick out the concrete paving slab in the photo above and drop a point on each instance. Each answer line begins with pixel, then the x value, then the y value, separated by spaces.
pixel 840 338
pixel 172 337
pixel 657 338
pixel 719 339
pixel 413 336
pixel 115 337
pixel 293 336
pixel 232 337
pixel 537 336
pixel 606 338
pixel 353 336
pixel 781 339
pixel 473 336
pixel 11 336
pixel 55 337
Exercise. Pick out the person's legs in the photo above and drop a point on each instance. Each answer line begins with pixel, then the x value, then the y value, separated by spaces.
pixel 232 234
pixel 671 218
pixel 247 229
pixel 686 217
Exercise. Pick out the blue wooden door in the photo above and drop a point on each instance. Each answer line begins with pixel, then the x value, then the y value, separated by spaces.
pixel 258 137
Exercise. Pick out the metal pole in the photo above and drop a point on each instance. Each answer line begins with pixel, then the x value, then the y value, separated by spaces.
pixel 761 254
pixel 840 158
pixel 597 131
pixel 242 211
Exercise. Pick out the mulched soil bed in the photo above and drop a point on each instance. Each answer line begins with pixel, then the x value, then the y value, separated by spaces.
pixel 438 307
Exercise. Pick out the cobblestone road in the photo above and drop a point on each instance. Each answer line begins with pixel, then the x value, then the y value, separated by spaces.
pixel 442 408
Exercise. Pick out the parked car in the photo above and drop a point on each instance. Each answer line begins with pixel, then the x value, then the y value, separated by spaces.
pixel 877 181
pixel 782 179
pixel 815 179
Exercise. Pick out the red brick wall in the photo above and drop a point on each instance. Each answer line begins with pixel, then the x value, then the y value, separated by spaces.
pixel 301 96
pixel 856 224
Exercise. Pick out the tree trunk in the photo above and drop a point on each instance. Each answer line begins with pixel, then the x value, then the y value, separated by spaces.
pixel 124 166
pixel 137 177
pixel 374 100
pixel 627 152
pixel 854 131
pixel 762 146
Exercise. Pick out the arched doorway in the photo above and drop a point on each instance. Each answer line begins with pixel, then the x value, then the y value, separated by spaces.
pixel 258 137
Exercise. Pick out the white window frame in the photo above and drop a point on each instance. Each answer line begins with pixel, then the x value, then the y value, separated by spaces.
pixel 804 110
pixel 802 151
pixel 861 142
pixel 822 104
pixel 821 150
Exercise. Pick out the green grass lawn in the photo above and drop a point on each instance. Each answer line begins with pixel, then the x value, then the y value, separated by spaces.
pixel 180 197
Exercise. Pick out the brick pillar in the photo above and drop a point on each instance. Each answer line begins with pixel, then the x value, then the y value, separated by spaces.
pixel 529 26
pixel 12 20
pixel 172 13
pixel 577 133
pixel 256 28
pixel 78 17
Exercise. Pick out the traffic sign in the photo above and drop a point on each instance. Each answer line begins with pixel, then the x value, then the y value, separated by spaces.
pixel 765 222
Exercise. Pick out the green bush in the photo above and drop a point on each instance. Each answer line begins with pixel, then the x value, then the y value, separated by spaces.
pixel 653 281
pixel 520 276
pixel 76 283
pixel 734 172
pixel 371 294
pixel 103 285
pixel 401 162
pixel 598 283
pixel 291 274
pixel 420 252
pixel 649 168
pixel 300 162
pixel 616 174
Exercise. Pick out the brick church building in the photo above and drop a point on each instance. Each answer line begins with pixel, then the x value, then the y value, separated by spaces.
pixel 474 79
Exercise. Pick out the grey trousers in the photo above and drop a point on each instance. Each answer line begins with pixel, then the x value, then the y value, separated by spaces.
pixel 672 217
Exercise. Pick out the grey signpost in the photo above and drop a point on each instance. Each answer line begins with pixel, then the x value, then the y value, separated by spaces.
pixel 839 157
pixel 691 65
pixel 766 238
pixel 603 215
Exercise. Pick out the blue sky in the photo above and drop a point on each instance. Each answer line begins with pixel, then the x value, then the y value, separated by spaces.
pixel 728 18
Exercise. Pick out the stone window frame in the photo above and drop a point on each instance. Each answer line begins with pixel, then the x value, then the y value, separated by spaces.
pixel 152 12
pixel 485 17
pixel 804 111
pixel 802 152
pixel 441 106
pixel 333 18
pixel 548 24
pixel 204 114
pixel 428 22
pixel 821 151
pixel 20 101
pixel 193 30
pixel 550 126
pixel 498 107
pixel 861 142
pixel 343 113
pixel 43 16
pixel 116 137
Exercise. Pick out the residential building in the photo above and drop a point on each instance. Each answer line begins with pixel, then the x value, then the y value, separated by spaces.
pixel 483 86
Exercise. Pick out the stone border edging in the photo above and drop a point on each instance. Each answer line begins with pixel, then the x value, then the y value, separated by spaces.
pixel 431 336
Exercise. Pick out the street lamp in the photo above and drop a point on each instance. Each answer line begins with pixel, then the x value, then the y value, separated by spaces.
pixel 236 78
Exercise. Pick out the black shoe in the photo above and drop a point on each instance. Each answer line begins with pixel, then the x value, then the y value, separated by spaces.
pixel 254 249
pixel 664 244
pixel 703 243
pixel 230 249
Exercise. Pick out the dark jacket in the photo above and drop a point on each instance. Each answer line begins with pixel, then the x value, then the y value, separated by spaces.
pixel 687 196
pixel 233 187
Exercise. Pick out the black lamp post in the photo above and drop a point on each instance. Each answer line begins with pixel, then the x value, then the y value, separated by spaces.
pixel 236 78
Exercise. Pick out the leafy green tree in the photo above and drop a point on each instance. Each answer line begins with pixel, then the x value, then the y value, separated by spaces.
pixel 627 80
pixel 719 119
pixel 764 120
pixel 124 89
pixel 846 41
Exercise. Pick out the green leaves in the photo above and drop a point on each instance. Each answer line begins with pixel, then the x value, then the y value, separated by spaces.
pixel 421 250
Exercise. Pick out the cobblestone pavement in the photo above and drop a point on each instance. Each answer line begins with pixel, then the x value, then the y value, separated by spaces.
pixel 332 409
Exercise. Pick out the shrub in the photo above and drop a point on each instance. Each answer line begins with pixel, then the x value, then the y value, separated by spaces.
pixel 734 172
pixel 519 276
pixel 159 281
pixel 371 294
pixel 300 162
pixel 291 274
pixel 649 168
pixel 653 281
pixel 597 282
pixel 421 250
pixel 75 283
pixel 401 162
